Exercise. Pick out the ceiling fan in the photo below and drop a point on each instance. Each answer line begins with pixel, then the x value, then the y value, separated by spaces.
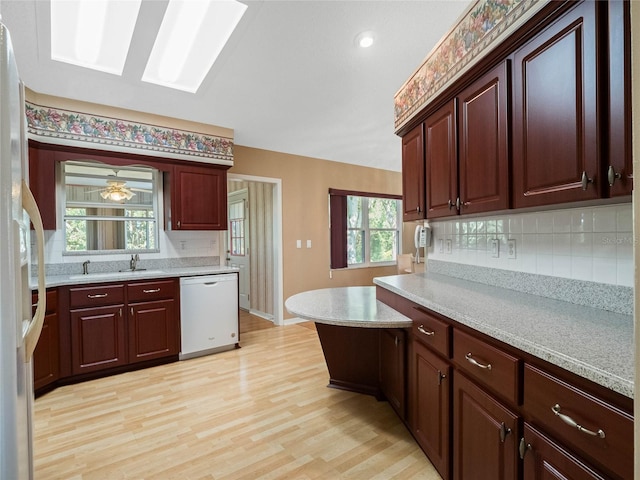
pixel 117 191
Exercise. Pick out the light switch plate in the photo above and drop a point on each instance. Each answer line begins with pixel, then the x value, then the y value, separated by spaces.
pixel 495 247
pixel 298 243
pixel 308 243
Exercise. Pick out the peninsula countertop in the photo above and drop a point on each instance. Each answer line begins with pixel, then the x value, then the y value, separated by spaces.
pixel 346 307
pixel 593 343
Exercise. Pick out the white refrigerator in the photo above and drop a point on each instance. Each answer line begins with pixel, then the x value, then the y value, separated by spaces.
pixel 19 332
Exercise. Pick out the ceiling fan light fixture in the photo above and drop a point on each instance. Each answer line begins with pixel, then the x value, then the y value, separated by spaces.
pixel 191 36
pixel 93 34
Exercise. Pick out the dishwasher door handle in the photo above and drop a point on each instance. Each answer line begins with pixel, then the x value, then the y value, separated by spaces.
pixel 210 284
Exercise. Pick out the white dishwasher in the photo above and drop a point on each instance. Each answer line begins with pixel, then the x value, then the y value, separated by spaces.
pixel 208 314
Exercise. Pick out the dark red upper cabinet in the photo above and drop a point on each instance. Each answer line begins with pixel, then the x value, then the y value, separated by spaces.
pixel 618 166
pixel 413 200
pixel 483 143
pixel 199 198
pixel 555 114
pixel 42 182
pixel 441 161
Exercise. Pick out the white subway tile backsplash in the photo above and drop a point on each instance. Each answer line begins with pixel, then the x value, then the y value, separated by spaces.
pixel 592 244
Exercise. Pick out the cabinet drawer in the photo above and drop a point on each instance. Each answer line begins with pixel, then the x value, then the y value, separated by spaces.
pixel 605 435
pixel 154 290
pixel 431 331
pixel 96 295
pixel 494 368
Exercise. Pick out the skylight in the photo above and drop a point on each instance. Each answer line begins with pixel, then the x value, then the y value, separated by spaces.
pixel 192 35
pixel 93 34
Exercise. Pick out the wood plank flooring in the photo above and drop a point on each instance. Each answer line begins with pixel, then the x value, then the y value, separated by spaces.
pixel 259 412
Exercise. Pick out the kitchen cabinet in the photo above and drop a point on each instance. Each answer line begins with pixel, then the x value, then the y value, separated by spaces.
pixel 42 182
pixel 198 198
pixel 485 434
pixel 392 370
pixel 413 180
pixel 544 459
pixel 46 359
pixel 483 163
pixel 98 336
pixel 556 114
pixel 430 400
pixel 589 426
pixel 120 325
pixel 153 329
pixel 441 161
pixel 619 167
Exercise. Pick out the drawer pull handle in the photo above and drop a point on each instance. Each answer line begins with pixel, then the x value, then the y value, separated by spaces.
pixel 429 333
pixel 155 290
pixel 98 295
pixel 572 423
pixel 473 361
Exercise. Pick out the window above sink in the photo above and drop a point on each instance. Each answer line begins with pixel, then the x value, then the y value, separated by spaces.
pixel 109 209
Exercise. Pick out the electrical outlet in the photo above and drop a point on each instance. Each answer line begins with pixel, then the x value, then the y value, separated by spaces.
pixel 495 247
pixel 308 243
pixel 298 243
pixel 511 248
pixel 448 246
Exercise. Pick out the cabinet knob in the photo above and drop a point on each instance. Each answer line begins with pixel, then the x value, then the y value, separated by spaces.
pixel 450 203
pixel 523 448
pixel 504 431
pixel 178 223
pixel 441 376
pixel 458 203
pixel 418 209
pixel 612 175
pixel 585 180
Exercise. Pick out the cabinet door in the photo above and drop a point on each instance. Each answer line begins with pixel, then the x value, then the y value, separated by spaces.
pixel 392 368
pixel 441 162
pixel 42 182
pixel 153 330
pixel 484 434
pixel 413 174
pixel 483 136
pixel 619 168
pixel 46 362
pixel 97 339
pixel 555 141
pixel 430 397
pixel 545 460
pixel 199 198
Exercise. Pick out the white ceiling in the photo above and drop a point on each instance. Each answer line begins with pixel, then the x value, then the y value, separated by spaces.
pixel 291 78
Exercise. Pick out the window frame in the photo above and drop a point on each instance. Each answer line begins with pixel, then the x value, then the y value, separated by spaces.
pixel 156 208
pixel 339 228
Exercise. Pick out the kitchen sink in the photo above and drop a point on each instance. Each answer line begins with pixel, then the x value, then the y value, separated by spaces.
pixel 124 274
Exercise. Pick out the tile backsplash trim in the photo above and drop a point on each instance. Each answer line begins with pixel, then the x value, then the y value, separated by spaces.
pixel 593 244
pixel 613 298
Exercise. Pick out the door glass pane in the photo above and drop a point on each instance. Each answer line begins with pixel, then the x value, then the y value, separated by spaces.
pixel 237 228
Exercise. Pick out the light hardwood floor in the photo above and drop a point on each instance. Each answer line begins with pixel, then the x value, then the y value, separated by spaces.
pixel 259 412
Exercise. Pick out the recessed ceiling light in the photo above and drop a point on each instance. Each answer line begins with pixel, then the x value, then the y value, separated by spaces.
pixel 365 39
pixel 192 35
pixel 93 34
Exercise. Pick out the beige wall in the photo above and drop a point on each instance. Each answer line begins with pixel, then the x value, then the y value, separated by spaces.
pixel 305 214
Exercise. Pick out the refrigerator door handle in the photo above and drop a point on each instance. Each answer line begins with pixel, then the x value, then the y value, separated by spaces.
pixel 35 326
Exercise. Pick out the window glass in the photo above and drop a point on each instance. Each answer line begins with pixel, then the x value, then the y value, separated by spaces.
pixel 372 230
pixel 109 208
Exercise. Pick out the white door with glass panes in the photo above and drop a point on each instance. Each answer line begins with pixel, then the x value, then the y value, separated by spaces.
pixel 238 204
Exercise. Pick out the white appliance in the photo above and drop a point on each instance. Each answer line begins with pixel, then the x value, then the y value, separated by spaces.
pixel 19 332
pixel 208 314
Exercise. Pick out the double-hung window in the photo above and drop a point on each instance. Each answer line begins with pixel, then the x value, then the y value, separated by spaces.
pixel 365 229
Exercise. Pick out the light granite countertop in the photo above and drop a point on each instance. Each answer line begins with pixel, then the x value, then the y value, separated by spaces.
pixel 593 343
pixel 103 277
pixel 347 307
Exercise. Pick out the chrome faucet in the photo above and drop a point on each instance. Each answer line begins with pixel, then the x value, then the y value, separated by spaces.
pixel 134 262
pixel 85 267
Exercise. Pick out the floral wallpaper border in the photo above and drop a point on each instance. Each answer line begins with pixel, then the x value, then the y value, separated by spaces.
pixel 480 29
pixel 68 125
